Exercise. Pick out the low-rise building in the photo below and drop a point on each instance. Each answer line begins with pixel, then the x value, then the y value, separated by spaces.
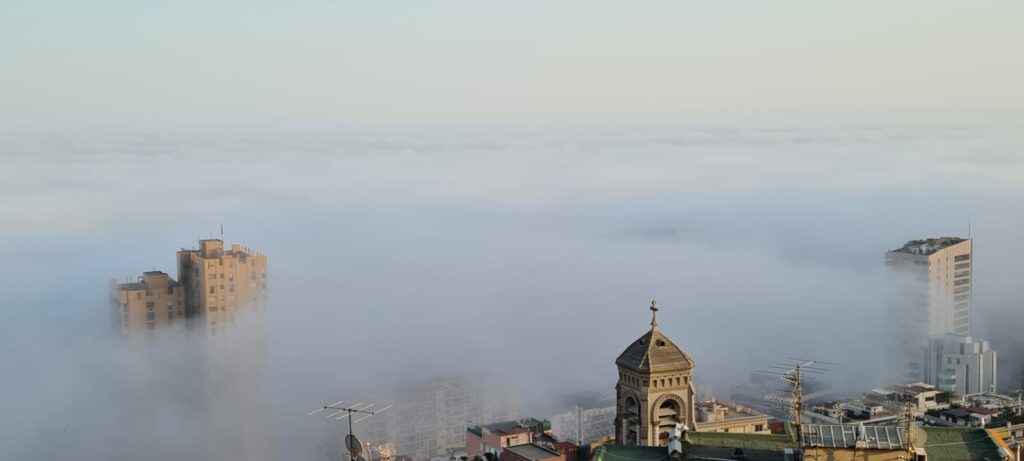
pixel 834 442
pixel 823 443
pixel 530 452
pixel 961 364
pixel 585 425
pixel 722 416
pixel 494 438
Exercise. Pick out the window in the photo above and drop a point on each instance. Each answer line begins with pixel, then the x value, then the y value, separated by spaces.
pixel 963 258
pixel 138 295
pixel 149 306
pixel 962 266
pixel 212 289
pixel 758 427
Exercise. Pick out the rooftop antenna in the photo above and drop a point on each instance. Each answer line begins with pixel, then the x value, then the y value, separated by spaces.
pixel 793 375
pixel 907 421
pixel 222 230
pixel 352 443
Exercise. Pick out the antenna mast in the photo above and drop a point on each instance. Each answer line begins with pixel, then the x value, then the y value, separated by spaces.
pixel 352 443
pixel 794 376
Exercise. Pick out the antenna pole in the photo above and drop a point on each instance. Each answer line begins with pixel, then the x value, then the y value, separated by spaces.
pixel 798 400
pixel 353 454
pixel 908 425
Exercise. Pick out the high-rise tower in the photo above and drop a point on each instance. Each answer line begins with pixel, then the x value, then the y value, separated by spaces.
pixel 929 282
pixel 220 284
pixel 935 273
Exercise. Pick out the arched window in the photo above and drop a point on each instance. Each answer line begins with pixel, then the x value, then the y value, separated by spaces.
pixel 669 413
pixel 631 421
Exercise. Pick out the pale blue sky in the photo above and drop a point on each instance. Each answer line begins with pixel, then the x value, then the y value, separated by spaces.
pixel 461 61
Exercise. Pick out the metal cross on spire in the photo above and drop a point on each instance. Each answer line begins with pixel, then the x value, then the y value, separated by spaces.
pixel 654 314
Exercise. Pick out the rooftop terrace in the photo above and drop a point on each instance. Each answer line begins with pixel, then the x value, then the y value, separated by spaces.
pixel 925 247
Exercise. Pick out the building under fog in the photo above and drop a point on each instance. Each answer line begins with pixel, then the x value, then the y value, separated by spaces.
pixel 154 301
pixel 428 418
pixel 214 286
pixel 221 284
pixel 929 316
pixel 960 364
pixel 585 425
pixel 933 279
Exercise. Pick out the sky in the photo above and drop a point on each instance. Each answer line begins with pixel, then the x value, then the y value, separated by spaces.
pixel 119 62
pixel 437 182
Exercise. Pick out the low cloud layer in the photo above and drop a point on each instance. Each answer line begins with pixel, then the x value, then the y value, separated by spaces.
pixel 414 252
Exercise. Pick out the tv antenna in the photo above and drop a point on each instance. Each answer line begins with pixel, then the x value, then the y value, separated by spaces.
pixel 793 373
pixel 352 443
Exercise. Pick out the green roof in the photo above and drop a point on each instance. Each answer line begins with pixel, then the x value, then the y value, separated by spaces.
pixel 740 440
pixel 609 452
pixel 959 444
pixel 756 447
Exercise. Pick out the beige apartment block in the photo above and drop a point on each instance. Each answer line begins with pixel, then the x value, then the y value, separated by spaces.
pixel 936 273
pixel 723 416
pixel 929 294
pixel 221 284
pixel 154 301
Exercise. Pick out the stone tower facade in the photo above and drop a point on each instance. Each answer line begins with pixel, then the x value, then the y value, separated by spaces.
pixel 655 390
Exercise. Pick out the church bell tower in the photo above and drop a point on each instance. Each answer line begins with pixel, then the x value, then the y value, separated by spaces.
pixel 655 391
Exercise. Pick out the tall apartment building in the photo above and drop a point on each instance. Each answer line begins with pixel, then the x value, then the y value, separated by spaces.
pixel 220 284
pixel 154 301
pixel 930 317
pixel 214 285
pixel 934 276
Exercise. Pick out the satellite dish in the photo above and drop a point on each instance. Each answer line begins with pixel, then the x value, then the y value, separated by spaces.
pixel 354 445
